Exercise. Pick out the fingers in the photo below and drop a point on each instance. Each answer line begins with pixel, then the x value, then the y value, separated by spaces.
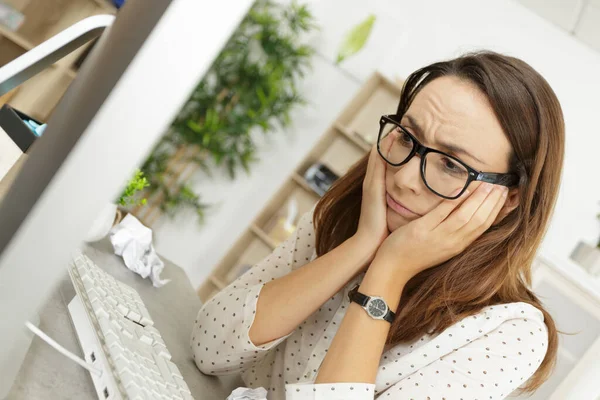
pixel 371 165
pixel 485 216
pixel 435 217
pixel 376 165
pixel 467 211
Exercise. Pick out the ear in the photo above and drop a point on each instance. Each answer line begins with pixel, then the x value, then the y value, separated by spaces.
pixel 512 202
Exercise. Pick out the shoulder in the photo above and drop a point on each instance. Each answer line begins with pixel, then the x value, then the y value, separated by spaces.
pixel 305 230
pixel 523 317
pixel 511 327
pixel 305 226
pixel 512 310
pixel 518 328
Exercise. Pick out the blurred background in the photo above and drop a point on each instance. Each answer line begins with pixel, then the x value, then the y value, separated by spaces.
pixel 293 101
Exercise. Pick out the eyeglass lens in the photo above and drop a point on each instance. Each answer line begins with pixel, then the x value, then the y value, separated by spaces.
pixel 443 174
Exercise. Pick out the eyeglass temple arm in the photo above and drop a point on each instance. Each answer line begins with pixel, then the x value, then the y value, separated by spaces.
pixel 498 179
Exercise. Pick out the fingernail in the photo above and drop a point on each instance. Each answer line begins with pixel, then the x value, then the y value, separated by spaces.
pixel 505 192
pixel 487 187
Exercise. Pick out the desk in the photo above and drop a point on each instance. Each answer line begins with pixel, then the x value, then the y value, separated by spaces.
pixel 46 374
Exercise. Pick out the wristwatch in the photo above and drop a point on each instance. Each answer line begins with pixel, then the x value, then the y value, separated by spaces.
pixel 375 306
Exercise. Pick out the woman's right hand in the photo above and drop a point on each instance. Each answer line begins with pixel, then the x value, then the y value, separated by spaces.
pixel 372 226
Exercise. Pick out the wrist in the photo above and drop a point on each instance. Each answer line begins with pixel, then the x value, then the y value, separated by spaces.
pixel 363 244
pixel 390 269
pixel 381 282
pixel 362 250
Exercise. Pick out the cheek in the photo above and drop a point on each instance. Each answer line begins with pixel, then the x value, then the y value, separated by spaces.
pixel 427 202
pixel 433 201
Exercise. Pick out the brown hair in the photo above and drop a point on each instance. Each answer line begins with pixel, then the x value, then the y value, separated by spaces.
pixel 501 258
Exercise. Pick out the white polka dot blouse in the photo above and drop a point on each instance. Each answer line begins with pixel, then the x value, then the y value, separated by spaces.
pixel 484 356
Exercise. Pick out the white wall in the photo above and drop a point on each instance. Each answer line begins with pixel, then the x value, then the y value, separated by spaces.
pixel 578 17
pixel 407 35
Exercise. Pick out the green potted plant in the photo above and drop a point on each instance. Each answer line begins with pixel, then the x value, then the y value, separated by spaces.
pixel 252 86
pixel 111 214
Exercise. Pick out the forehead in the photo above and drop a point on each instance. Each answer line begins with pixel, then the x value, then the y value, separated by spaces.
pixel 453 110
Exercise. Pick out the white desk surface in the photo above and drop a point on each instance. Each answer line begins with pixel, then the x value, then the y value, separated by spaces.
pixel 46 374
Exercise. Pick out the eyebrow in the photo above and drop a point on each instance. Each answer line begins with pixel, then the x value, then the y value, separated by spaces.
pixel 452 148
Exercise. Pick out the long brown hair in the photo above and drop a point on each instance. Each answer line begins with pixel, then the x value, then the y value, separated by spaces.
pixel 501 258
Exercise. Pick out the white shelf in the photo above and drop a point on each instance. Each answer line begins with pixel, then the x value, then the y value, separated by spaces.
pixel 338 148
pixel 573 272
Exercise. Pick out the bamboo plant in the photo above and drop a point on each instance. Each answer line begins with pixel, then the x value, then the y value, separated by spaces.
pixel 251 86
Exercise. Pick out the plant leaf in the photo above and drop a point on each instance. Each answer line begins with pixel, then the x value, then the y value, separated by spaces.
pixel 356 39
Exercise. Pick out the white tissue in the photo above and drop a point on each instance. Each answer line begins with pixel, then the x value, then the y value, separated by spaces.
pixel 133 241
pixel 243 393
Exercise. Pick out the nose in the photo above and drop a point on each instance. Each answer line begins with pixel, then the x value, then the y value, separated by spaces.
pixel 408 176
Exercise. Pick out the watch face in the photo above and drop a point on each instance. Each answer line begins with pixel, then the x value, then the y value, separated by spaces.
pixel 377 307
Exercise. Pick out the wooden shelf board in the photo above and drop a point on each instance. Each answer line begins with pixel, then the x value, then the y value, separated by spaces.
pixel 338 146
pixel 262 235
pixel 104 4
pixel 206 290
pixel 358 141
pixel 70 72
pixel 217 282
pixel 15 38
pixel 299 179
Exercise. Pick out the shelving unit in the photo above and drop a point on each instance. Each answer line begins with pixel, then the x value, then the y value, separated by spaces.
pixel 346 141
pixel 43 19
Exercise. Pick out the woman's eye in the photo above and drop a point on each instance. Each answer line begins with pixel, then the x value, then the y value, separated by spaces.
pixel 451 166
pixel 405 138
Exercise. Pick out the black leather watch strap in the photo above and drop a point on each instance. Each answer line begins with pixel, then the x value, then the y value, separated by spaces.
pixel 358 297
pixel 362 300
pixel 389 316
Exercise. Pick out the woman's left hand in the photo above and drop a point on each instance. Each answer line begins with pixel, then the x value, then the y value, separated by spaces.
pixel 442 233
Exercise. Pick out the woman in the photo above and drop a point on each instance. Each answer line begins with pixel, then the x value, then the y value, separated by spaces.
pixel 409 279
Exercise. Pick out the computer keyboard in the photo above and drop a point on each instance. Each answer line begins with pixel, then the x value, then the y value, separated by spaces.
pixel 117 335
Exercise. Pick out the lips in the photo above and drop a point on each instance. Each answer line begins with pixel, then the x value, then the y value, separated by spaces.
pixel 399 207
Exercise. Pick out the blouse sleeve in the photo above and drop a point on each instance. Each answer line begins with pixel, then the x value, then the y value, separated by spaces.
pixel 220 338
pixel 330 391
pixel 489 367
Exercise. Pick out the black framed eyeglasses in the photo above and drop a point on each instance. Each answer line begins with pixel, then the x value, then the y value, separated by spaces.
pixel 442 173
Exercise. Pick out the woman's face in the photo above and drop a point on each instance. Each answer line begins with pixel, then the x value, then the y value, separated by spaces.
pixel 447 110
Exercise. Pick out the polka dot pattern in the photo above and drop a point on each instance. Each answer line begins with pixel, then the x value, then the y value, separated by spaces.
pixel 485 356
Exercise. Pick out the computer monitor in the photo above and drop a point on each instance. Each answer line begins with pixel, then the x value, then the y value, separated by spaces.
pixel 125 95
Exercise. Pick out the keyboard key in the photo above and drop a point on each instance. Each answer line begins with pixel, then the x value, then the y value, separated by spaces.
pixel 122 308
pixel 161 350
pixel 135 393
pixel 175 394
pixel 180 382
pixel 187 396
pixel 174 370
pixel 165 372
pixel 134 315
pixel 143 336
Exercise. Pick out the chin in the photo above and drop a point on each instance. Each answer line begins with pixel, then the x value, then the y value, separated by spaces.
pixel 394 220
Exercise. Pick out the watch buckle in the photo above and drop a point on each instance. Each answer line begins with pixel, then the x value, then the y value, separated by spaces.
pixel 352 291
